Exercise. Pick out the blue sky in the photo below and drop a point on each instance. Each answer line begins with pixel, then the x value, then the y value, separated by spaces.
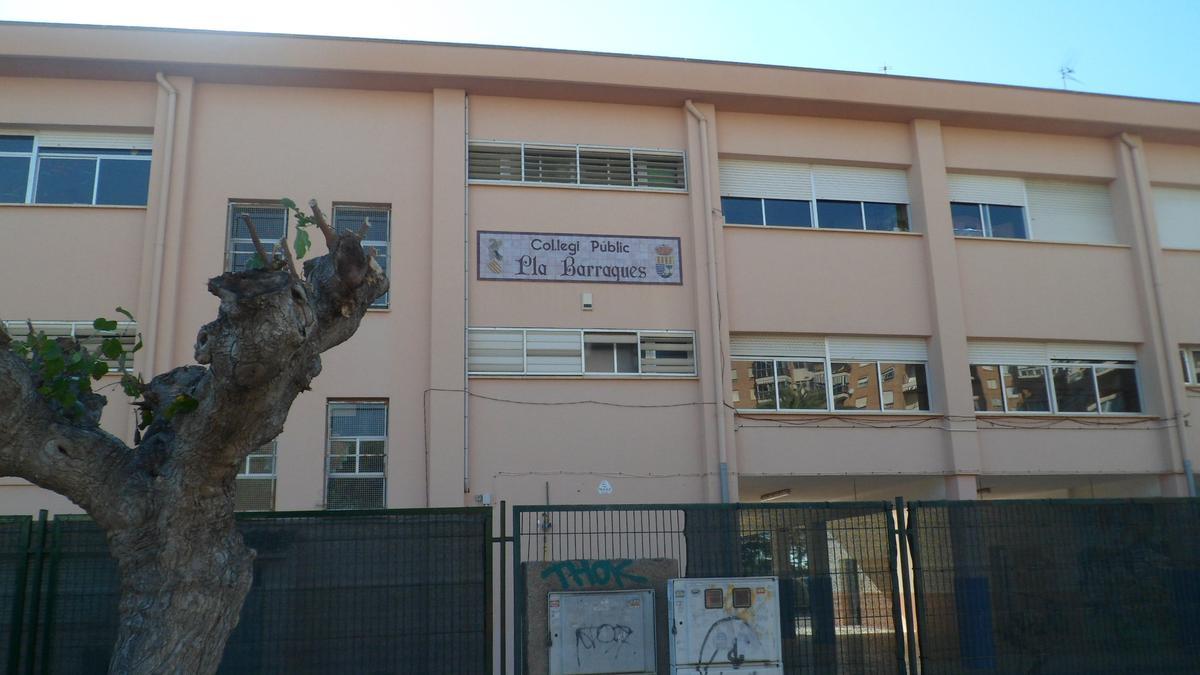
pixel 1149 48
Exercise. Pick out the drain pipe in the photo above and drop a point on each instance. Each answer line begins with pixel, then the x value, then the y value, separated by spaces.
pixel 466 294
pixel 160 225
pixel 714 306
pixel 1140 175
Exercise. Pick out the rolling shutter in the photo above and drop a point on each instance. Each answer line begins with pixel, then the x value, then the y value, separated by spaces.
pixel 974 189
pixel 770 180
pixel 1107 351
pixel 1072 212
pixel 553 352
pixel 87 139
pixel 857 183
pixel 797 346
pixel 878 348
pixel 1032 353
pixel 1177 211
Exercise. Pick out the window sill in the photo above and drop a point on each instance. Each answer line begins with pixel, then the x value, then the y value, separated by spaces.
pixel 1192 390
pixel 743 226
pixel 569 376
pixel 574 186
pixel 1067 417
pixel 75 206
pixel 841 413
pixel 1042 241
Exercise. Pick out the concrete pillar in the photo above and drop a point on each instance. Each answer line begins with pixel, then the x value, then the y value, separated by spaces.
pixel 446 463
pixel 950 380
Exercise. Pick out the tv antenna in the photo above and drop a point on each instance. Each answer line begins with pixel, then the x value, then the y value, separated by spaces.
pixel 885 68
pixel 1067 73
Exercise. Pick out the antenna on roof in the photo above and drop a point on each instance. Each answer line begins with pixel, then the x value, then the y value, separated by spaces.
pixel 885 68
pixel 1067 73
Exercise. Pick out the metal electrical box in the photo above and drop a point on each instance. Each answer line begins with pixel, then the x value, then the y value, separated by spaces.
pixel 725 626
pixel 601 633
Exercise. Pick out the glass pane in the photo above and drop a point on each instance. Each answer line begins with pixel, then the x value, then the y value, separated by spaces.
pixel 886 217
pixel 1025 388
pixel 124 182
pixel 270 221
pixel 754 384
pixel 968 221
pixel 372 447
pixel 1195 356
pixel 985 388
pixel 802 385
pixel 1007 221
pixel 14 177
pixel 370 464
pixel 261 464
pixel 341 447
pixel 904 386
pixel 839 215
pixel 1073 390
pixel 65 181
pixel 352 217
pixel 343 464
pixel 16 143
pixel 1118 390
pixel 598 357
pixel 848 394
pixel 360 420
pixel 742 211
pixel 627 357
pixel 787 212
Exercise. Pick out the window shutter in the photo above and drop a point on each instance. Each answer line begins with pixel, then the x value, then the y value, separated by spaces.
pixel 494 161
pixel 858 183
pixel 605 167
pixel 770 180
pixel 659 170
pixel 87 139
pixel 878 348
pixel 553 351
pixel 1106 351
pixel 1004 190
pixel 668 353
pixel 797 346
pixel 549 164
pixel 495 351
pixel 1068 211
pixel 1177 211
pixel 990 352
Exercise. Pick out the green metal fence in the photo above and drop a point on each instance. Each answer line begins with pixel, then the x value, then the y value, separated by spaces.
pixel 396 591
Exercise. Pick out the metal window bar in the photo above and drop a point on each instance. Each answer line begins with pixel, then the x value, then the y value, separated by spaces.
pixel 356 479
pixel 270 221
pixel 350 217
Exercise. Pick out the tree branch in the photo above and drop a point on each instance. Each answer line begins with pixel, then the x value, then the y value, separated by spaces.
pixel 319 217
pixel 258 245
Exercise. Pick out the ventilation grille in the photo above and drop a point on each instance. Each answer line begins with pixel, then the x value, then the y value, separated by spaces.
pixel 576 165
pixel 355 492
pixel 254 493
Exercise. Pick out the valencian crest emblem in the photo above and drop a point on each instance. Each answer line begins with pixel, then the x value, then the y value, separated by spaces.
pixel 664 261
pixel 494 257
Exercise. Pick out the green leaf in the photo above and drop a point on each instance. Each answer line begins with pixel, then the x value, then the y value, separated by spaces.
pixel 182 404
pixel 147 418
pixel 303 243
pixel 138 346
pixel 288 203
pixel 111 348
pixel 256 263
pixel 124 311
pixel 104 324
pixel 99 369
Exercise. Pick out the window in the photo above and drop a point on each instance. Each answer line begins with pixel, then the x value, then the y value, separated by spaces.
pixel 1055 379
pixel 1028 208
pixel 75 168
pixel 520 351
pixel 576 165
pixel 379 232
pixel 270 220
pixel 256 480
pixel 783 194
pixel 357 454
pixel 83 331
pixel 1191 364
pixel 988 220
pixel 890 375
pixel 1177 211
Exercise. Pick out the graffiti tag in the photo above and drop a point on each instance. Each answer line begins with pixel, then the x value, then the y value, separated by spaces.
pixel 607 639
pixel 593 573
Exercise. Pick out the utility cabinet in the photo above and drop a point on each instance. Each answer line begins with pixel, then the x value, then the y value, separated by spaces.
pixel 727 626
pixel 601 633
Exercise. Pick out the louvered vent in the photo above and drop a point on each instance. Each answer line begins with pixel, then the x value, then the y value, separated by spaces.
pixel 660 171
pixel 547 164
pixel 605 167
pixel 494 161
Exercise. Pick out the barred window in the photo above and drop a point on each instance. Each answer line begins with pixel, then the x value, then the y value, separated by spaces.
pixel 256 480
pixel 82 331
pixel 576 165
pixel 357 455
pixel 379 233
pixel 271 222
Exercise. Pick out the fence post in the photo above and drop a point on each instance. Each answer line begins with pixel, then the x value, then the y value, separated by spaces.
pixel 518 596
pixel 36 591
pixel 899 615
pixel 503 588
pixel 906 571
pixel 19 592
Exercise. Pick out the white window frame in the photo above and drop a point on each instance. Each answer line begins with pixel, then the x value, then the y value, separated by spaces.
pixel 334 404
pixel 635 154
pixel 1048 367
pixel 383 302
pixel 246 474
pixel 829 385
pixel 985 218
pixel 37 153
pixel 1191 364
pixel 126 331
pixel 582 372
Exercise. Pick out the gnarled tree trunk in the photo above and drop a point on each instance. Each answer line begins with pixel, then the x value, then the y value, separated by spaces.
pixel 167 503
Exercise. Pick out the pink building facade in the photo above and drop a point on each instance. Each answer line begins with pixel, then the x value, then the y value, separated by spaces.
pixel 623 279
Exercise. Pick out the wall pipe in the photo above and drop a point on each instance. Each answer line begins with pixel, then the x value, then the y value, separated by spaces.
pixel 1140 176
pixel 714 307
pixel 160 225
pixel 466 295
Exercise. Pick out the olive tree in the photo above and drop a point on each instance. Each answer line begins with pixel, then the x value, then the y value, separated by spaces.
pixel 166 503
